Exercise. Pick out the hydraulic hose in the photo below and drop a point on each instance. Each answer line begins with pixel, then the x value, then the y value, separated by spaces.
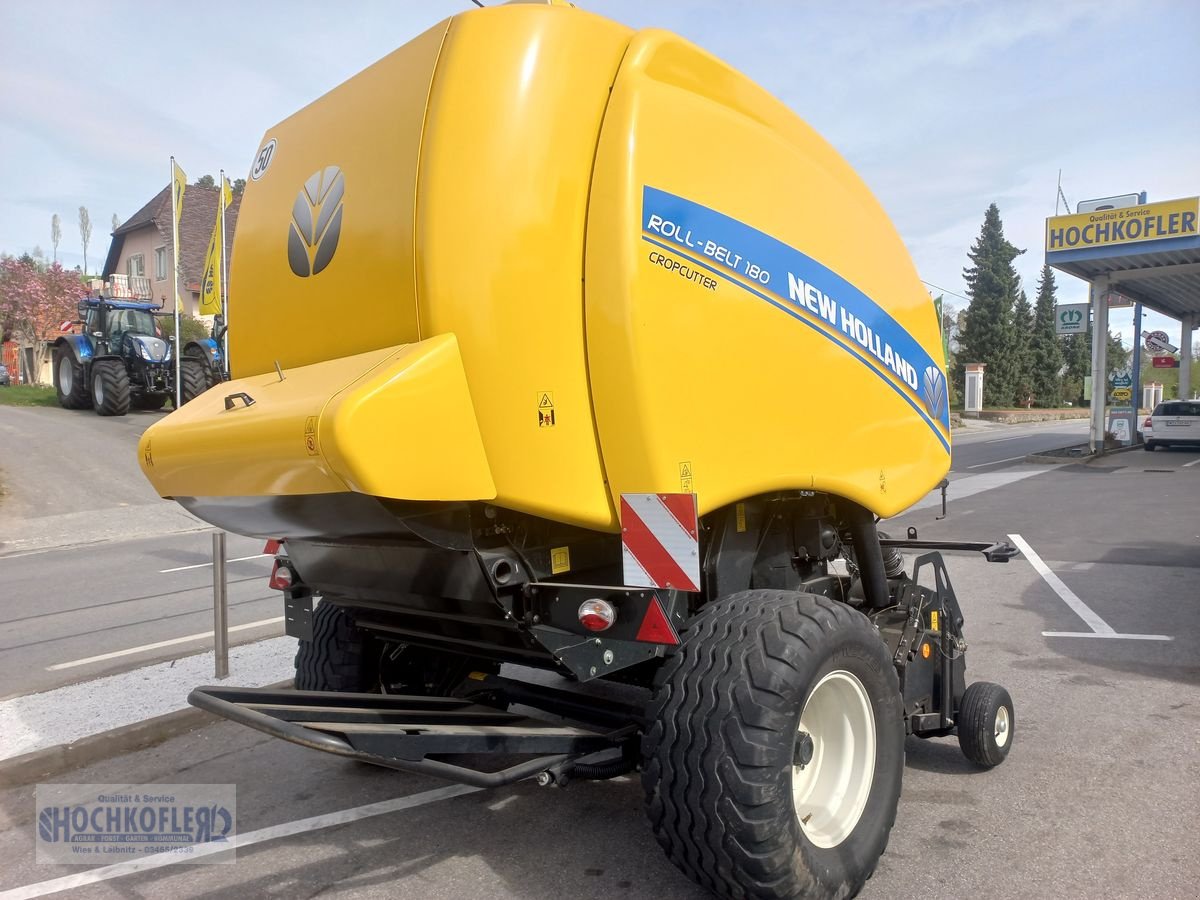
pixel 868 555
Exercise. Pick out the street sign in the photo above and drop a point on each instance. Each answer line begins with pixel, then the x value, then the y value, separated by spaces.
pixel 1121 379
pixel 1071 318
pixel 1165 362
pixel 1158 342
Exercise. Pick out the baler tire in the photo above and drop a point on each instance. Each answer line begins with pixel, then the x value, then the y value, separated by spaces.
pixel 338 658
pixel 721 742
pixel 986 724
pixel 110 387
pixel 193 377
pixel 79 395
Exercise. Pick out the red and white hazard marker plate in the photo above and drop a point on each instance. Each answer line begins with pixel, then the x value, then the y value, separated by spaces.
pixel 660 543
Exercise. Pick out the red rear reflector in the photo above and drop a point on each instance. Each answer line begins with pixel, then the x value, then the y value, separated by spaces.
pixel 655 628
pixel 271 549
pixel 281 577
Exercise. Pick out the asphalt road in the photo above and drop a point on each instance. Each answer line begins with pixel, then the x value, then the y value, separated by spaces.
pixel 65 606
pixel 1097 799
pixel 71 477
pixel 998 446
pixel 83 540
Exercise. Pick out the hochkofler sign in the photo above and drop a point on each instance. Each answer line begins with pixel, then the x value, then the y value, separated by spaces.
pixel 1126 225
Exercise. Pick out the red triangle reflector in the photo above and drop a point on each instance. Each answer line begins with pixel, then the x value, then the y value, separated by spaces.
pixel 655 628
pixel 271 549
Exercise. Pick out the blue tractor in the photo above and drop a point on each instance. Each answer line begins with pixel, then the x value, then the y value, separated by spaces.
pixel 123 360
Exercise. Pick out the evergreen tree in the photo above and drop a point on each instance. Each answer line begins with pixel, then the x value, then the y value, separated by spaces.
pixel 1022 341
pixel 992 284
pixel 1045 353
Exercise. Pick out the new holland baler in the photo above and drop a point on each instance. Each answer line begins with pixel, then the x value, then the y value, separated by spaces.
pixel 562 346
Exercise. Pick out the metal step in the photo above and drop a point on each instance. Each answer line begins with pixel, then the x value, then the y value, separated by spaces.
pixel 402 732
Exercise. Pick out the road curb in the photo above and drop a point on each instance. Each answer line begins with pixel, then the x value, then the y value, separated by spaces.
pixel 51 761
pixel 1085 459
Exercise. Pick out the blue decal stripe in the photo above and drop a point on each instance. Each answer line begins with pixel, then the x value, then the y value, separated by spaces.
pixel 820 325
pixel 813 325
pixel 781 270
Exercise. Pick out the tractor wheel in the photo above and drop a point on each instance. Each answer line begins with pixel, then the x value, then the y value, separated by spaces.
pixel 774 748
pixel 151 401
pixel 194 377
pixel 69 381
pixel 986 722
pixel 110 387
pixel 339 656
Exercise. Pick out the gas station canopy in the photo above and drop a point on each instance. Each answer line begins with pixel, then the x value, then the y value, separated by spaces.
pixel 1149 252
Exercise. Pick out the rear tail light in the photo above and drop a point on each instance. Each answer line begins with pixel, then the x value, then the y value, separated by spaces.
pixel 597 615
pixel 281 576
pixel 1146 424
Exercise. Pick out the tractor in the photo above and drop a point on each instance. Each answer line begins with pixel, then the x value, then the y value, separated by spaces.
pixel 123 360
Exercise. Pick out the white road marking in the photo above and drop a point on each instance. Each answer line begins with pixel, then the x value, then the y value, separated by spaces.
pixel 1100 628
pixel 200 635
pixel 238 842
pixel 1114 635
pixel 969 485
pixel 996 462
pixel 1188 465
pixel 208 565
pixel 1002 440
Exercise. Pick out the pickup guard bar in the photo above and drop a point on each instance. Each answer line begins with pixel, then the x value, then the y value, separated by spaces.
pixel 401 732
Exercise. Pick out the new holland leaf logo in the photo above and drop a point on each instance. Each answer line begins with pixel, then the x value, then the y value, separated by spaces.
pixel 316 221
pixel 934 392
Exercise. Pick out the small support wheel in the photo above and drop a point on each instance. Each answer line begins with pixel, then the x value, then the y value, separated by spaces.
pixel 986 724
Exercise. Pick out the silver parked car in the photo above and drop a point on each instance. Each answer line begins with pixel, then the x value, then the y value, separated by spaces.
pixel 5 378
pixel 1173 423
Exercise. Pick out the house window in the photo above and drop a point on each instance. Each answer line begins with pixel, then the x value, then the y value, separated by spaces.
pixel 136 266
pixel 160 264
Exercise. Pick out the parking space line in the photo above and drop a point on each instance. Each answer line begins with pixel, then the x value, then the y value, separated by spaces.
pixel 1190 464
pixel 1100 628
pixel 238 842
pixel 200 635
pixel 208 565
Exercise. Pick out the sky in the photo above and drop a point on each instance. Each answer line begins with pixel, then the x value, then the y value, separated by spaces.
pixel 942 106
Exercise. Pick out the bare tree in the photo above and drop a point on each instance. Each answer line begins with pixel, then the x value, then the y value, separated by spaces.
pixel 85 233
pixel 55 233
pixel 116 222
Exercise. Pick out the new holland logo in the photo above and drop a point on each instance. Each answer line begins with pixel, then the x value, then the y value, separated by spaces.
pixel 316 221
pixel 934 390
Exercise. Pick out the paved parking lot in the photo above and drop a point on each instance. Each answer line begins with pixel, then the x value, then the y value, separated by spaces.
pixel 1098 798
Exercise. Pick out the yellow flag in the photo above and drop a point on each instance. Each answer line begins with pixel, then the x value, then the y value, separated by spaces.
pixel 210 285
pixel 180 185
